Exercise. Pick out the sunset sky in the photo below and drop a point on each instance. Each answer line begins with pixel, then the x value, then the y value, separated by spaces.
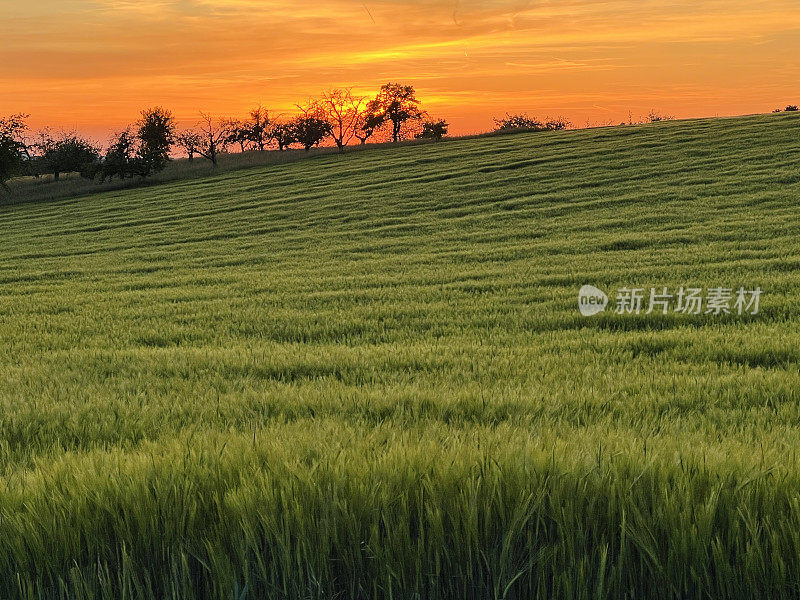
pixel 92 64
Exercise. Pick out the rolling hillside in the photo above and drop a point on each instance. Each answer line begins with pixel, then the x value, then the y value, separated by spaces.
pixel 366 376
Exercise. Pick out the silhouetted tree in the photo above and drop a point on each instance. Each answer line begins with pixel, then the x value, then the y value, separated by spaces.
pixel 342 110
pixel 396 104
pixel 257 126
pixel 66 153
pixel 156 134
pixel 310 130
pixel 791 108
pixel 557 124
pixel 13 148
pixel 238 133
pixel 10 160
pixel 367 123
pixel 518 122
pixel 189 141
pixel 654 117
pixel 282 134
pixel 120 159
pixel 434 130
pixel 15 127
pixel 522 122
pixel 214 137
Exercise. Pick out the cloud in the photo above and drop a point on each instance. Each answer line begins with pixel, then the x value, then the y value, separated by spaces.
pixel 225 54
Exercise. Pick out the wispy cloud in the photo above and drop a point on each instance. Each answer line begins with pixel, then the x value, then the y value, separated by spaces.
pixel 472 54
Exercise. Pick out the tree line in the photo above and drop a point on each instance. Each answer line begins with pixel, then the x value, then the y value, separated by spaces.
pixel 337 116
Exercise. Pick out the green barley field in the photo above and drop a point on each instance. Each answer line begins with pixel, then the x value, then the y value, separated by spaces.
pixel 365 376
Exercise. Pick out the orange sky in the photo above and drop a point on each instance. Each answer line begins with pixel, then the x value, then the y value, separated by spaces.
pixel 92 64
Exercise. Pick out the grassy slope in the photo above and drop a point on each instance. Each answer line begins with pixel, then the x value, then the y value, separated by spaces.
pixel 367 373
pixel 30 189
